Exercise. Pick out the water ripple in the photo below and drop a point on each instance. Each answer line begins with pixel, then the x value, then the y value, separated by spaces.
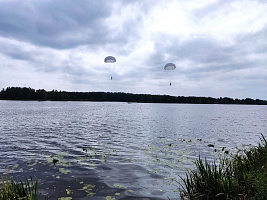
pixel 135 150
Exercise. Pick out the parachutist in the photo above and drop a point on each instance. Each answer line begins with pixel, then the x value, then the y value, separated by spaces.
pixel 110 59
pixel 169 66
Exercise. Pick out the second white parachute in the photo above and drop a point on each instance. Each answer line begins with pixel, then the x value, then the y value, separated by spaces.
pixel 110 59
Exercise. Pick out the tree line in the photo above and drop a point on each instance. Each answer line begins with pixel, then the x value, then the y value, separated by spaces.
pixel 24 93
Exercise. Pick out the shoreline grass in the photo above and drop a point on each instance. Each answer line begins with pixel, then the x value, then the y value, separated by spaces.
pixel 10 189
pixel 242 176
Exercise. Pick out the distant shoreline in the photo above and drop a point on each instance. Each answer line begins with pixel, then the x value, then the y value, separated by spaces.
pixel 18 93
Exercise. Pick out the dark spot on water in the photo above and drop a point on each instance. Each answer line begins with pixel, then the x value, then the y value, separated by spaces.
pixel 210 145
pixel 55 161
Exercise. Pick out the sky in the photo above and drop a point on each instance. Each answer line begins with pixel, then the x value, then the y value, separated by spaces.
pixel 219 47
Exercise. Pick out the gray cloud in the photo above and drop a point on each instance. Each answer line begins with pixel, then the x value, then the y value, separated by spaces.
pixel 253 42
pixel 216 6
pixel 211 8
pixel 15 51
pixel 61 24
pixel 210 54
pixel 200 51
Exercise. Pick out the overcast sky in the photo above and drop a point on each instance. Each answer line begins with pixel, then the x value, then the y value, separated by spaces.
pixel 219 47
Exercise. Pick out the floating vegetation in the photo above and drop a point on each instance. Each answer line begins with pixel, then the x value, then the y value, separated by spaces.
pixel 119 186
pixel 110 198
pixel 91 194
pixel 15 166
pixel 32 164
pixel 91 151
pixel 69 191
pixel 88 189
pixel 64 171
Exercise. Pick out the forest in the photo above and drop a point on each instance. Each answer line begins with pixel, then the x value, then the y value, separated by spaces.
pixel 24 93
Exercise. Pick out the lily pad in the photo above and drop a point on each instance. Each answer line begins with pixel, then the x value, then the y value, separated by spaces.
pixel 64 171
pixel 110 198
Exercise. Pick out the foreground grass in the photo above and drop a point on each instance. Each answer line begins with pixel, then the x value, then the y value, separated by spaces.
pixel 11 190
pixel 242 176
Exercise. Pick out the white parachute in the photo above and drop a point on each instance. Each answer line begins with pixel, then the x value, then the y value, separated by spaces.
pixel 169 67
pixel 110 59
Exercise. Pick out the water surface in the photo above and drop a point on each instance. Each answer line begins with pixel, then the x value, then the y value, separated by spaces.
pixel 118 150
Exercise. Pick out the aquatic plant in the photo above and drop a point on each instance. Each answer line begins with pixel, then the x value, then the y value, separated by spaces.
pixel 241 176
pixel 9 189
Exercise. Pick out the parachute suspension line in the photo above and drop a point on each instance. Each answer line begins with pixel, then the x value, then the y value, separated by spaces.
pixel 110 71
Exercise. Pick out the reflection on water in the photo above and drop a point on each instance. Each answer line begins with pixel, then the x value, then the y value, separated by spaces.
pixel 118 150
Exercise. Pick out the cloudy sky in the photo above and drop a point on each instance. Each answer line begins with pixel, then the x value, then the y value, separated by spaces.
pixel 219 47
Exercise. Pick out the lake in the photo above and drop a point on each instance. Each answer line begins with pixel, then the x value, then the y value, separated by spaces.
pixel 108 150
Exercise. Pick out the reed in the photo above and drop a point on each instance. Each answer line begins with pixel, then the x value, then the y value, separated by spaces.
pixel 9 189
pixel 242 176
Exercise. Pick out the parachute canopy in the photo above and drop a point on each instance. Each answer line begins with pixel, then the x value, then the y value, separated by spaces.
pixel 110 59
pixel 169 66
